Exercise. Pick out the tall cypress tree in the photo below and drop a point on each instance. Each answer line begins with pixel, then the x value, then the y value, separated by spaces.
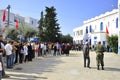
pixel 52 29
pixel 41 27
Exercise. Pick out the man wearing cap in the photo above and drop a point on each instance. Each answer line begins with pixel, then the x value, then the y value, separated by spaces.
pixel 86 55
pixel 99 55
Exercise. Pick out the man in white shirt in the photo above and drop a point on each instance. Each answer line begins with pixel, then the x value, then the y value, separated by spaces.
pixel 8 49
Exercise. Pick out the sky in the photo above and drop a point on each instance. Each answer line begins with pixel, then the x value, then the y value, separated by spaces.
pixel 70 13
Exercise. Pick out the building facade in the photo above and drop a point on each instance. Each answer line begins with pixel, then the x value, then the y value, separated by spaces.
pixel 119 27
pixel 13 17
pixel 94 30
pixel 31 21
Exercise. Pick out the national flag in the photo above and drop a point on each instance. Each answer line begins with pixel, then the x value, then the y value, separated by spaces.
pixel 4 15
pixel 107 32
pixel 16 24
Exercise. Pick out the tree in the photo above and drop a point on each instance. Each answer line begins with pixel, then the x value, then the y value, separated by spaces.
pixel 12 33
pixel 24 31
pixel 113 42
pixel 52 29
pixel 27 31
pixel 41 27
pixel 66 38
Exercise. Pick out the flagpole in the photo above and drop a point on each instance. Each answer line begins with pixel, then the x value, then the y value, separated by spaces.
pixel 8 15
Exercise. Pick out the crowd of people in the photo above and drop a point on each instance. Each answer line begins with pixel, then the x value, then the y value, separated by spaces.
pixel 16 52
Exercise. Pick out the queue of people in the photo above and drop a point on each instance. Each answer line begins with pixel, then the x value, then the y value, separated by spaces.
pixel 18 52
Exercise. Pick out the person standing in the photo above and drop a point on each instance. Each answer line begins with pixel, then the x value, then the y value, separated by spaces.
pixel 2 49
pixel 25 52
pixel 13 52
pixel 86 55
pixel 8 49
pixel 21 54
pixel 30 52
pixel 17 52
pixel 99 55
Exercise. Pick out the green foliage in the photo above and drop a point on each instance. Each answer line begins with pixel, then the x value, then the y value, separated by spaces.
pixel 12 33
pixel 113 42
pixel 41 27
pixel 24 31
pixel 66 38
pixel 27 31
pixel 49 29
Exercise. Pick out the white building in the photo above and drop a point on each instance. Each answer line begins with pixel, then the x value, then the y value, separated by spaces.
pixel 96 28
pixel 119 27
pixel 27 20
pixel 31 21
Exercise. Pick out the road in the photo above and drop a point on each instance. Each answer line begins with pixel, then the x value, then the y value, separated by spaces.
pixel 66 68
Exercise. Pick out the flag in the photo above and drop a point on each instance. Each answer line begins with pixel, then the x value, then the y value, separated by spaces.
pixel 16 24
pixel 107 32
pixel 4 15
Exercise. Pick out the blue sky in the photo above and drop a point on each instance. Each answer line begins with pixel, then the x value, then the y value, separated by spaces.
pixel 70 13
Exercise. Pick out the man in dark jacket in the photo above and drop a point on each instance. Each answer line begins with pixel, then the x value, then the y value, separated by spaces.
pixel 86 55
pixel 1 52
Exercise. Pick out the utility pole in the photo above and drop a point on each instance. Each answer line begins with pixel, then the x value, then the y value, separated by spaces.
pixel 8 15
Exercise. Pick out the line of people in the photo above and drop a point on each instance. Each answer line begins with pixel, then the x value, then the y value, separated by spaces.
pixel 18 52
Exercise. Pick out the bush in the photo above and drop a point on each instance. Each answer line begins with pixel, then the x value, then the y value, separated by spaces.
pixel 113 42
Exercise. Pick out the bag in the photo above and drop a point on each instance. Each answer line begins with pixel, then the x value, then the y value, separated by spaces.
pixel 22 51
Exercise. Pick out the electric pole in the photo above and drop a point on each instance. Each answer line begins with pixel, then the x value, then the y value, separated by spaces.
pixel 8 15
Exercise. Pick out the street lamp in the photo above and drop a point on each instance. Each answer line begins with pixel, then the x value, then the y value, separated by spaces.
pixel 8 15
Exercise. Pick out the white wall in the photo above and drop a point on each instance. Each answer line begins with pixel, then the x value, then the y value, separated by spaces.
pixel 108 19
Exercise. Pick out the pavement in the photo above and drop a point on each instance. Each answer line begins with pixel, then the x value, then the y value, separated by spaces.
pixel 66 68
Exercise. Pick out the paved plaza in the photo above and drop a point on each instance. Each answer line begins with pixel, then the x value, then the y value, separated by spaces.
pixel 66 68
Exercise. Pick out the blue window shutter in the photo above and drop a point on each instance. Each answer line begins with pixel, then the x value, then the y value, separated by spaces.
pixel 86 30
pixel 117 23
pixel 90 28
pixel 101 26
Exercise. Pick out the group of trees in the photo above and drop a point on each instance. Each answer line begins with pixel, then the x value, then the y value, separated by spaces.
pixel 23 32
pixel 47 31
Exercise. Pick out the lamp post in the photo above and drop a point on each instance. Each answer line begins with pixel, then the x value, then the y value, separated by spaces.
pixel 8 15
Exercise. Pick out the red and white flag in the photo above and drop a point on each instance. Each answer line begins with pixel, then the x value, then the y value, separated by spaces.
pixel 16 24
pixel 4 15
pixel 107 32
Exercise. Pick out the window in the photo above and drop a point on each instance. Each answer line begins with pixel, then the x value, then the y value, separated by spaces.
pixel 104 43
pixel 90 28
pixel 32 22
pixel 90 41
pixel 101 26
pixel 86 29
pixel 116 22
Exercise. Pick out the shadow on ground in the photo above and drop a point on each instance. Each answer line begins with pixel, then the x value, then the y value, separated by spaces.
pixel 108 69
pixel 112 69
pixel 32 70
